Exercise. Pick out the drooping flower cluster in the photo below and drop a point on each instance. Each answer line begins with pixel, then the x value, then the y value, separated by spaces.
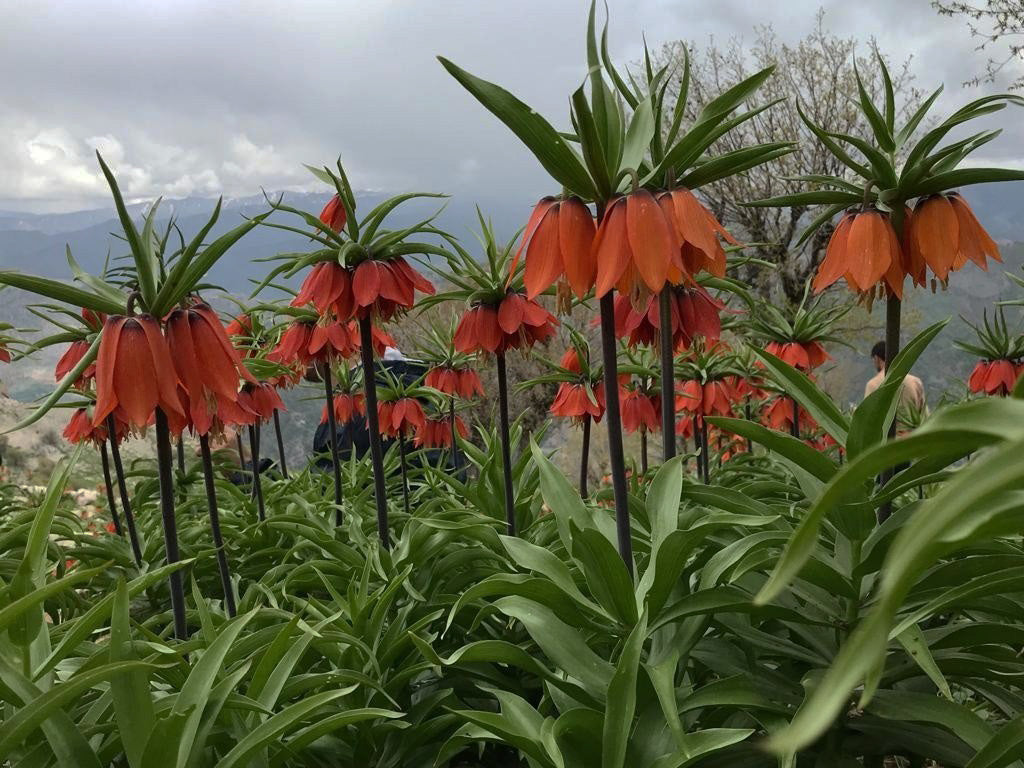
pixel 639 410
pixel 994 377
pixel 346 406
pixel 515 323
pixel 402 416
pixel 457 382
pixel 941 234
pixel 436 432
pixel 644 241
pixel 693 311
pixel 379 288
pixel 805 356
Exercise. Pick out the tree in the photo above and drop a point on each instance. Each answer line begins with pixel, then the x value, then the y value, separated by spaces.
pixel 995 23
pixel 816 75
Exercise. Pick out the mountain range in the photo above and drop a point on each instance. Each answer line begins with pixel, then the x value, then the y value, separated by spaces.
pixel 35 243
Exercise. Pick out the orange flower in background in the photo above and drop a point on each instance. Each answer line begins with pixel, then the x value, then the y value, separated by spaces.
pixel 346 406
pixel 72 357
pixel 239 326
pixel 515 323
pixel 571 361
pixel 333 214
pixel 331 340
pixel 713 398
pixel 945 235
pixel 80 428
pixel 684 427
pixel 328 288
pixel 5 355
pixel 381 338
pixel 261 399
pixel 207 365
pixel 636 248
pixel 693 311
pixel 400 416
pixel 575 401
pixel 385 288
pixel 460 382
pixel 995 377
pixel 697 231
pixel 93 319
pixel 293 346
pixel 436 432
pixel 134 372
pixel 558 241
pixel 639 411
pixel 744 388
pixel 804 355
pixel 778 415
pixel 304 342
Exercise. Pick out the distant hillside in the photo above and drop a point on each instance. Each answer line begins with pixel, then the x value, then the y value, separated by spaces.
pixel 35 243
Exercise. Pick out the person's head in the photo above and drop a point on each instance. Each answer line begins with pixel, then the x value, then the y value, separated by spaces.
pixel 878 356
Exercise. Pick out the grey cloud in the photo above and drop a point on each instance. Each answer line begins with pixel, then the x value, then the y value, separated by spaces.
pixel 187 97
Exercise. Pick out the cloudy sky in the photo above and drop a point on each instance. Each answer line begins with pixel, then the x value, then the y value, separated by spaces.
pixel 192 97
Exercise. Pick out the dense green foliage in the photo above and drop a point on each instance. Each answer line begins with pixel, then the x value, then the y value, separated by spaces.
pixel 770 615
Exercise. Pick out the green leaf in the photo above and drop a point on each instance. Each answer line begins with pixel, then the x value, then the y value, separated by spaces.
pixel 196 691
pixel 65 740
pixel 133 705
pixel 34 713
pixel 962 177
pixel 534 131
pixel 561 643
pixel 870 422
pixel 797 452
pixel 145 265
pixel 913 642
pixel 663 501
pixel 276 726
pixel 621 707
pixel 798 386
pixel 813 197
pixel 879 125
pixel 62 292
pixel 605 573
pixel 638 135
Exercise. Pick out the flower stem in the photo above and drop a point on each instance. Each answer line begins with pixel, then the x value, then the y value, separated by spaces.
pixel 794 427
pixel 585 456
pixel 376 452
pixel 455 436
pixel 181 454
pixel 614 424
pixel 706 458
pixel 506 449
pixel 165 462
pixel 747 414
pixel 405 470
pixel 893 307
pixel 643 451
pixel 110 489
pixel 122 486
pixel 280 444
pixel 332 429
pixel 257 484
pixel 218 540
pixel 668 400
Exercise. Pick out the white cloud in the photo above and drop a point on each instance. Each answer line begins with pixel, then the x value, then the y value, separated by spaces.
pixel 238 95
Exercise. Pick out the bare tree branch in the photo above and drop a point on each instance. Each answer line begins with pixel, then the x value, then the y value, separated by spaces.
pixel 818 73
pixel 994 23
